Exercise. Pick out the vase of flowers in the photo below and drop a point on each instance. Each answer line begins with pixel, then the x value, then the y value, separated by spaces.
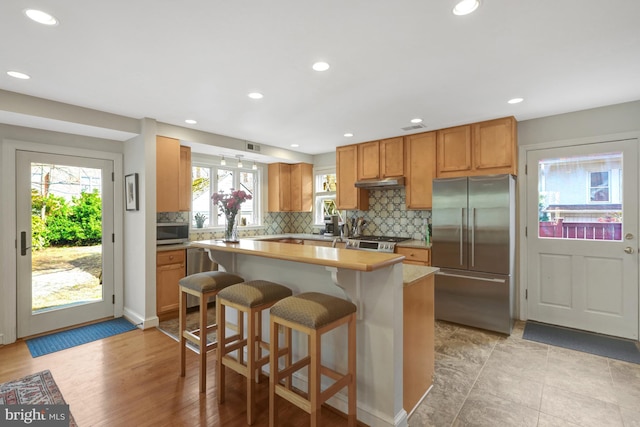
pixel 229 205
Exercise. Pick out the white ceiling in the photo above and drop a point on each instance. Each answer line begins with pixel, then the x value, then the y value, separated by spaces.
pixel 390 61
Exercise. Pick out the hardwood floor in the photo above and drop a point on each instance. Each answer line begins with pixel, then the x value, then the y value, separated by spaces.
pixel 133 379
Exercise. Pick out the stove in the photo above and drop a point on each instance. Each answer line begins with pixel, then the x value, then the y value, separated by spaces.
pixel 374 243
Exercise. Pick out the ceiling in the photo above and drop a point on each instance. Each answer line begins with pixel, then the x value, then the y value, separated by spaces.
pixel 391 61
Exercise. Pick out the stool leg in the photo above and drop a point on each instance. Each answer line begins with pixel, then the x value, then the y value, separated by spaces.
pixel 221 320
pixel 314 377
pixel 251 364
pixel 353 410
pixel 182 324
pixel 203 343
pixel 273 371
pixel 257 342
pixel 288 358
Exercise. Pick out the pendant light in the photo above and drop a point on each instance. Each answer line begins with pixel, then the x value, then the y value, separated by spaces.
pixel 254 167
pixel 223 162
pixel 239 156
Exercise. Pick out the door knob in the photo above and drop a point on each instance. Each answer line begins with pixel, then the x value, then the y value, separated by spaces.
pixel 628 236
pixel 628 250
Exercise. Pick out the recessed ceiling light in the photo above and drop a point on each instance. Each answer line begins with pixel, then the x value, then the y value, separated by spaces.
pixel 515 100
pixel 41 17
pixel 348 134
pixel 19 75
pixel 256 95
pixel 320 66
pixel 416 120
pixel 190 121
pixel 295 145
pixel 465 7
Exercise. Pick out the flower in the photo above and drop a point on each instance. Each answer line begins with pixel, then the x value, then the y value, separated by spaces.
pixel 229 204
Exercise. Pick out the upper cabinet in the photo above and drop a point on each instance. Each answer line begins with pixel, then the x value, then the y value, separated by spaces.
pixel 290 187
pixel 478 149
pixel 381 159
pixel 173 175
pixel 420 163
pixel 348 196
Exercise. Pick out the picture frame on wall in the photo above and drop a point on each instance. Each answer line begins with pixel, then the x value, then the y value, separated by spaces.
pixel 131 192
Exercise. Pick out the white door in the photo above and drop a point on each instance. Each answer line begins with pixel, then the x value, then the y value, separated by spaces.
pixel 582 237
pixel 64 249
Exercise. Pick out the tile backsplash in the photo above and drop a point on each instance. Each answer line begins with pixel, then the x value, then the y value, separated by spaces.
pixel 387 216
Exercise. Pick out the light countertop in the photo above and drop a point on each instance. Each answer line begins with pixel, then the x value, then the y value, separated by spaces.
pixel 318 255
pixel 411 273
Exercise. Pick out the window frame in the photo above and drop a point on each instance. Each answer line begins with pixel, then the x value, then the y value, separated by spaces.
pixel 590 187
pixel 320 195
pixel 213 212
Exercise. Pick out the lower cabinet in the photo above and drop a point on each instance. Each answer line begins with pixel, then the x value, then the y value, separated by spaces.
pixel 170 268
pixel 416 256
pixel 418 336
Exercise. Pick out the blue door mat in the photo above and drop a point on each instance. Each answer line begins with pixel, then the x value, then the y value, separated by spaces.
pixel 66 339
pixel 587 342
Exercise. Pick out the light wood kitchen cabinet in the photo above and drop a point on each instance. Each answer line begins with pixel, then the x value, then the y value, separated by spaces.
pixel 290 187
pixel 348 196
pixel 170 268
pixel 420 169
pixel 173 175
pixel 416 256
pixel 483 148
pixel 381 159
pixel 418 354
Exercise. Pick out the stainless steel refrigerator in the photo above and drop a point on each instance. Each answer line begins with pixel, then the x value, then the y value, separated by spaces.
pixel 473 243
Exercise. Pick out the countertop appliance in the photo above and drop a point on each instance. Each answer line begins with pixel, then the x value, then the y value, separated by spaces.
pixel 331 225
pixel 171 233
pixel 374 243
pixel 473 244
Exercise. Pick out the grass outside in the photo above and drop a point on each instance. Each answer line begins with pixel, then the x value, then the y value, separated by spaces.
pixel 66 275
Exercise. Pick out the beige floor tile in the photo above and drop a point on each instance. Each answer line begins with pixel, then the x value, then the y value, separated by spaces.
pixel 484 409
pixel 469 344
pixel 518 360
pixel 626 383
pixel 578 409
pixel 630 418
pixel 546 420
pixel 514 388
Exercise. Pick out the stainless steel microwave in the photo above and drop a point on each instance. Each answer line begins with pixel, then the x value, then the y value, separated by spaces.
pixel 171 233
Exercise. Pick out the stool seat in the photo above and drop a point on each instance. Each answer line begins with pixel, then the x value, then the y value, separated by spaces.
pixel 209 281
pixel 254 293
pixel 312 309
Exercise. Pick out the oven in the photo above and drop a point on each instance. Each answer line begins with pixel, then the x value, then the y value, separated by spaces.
pixel 171 233
pixel 374 243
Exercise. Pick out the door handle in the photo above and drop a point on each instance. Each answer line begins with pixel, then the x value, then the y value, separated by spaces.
pixel 628 250
pixel 23 243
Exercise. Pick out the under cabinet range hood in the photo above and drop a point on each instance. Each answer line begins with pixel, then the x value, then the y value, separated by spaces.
pixel 381 184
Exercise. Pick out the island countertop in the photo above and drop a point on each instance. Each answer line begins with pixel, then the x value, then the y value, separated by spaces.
pixel 328 257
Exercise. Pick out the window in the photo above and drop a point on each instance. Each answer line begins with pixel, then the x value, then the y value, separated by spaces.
pixel 205 180
pixel 325 195
pixel 599 186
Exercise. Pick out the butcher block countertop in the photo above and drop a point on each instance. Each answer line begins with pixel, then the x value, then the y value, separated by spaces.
pixel 329 257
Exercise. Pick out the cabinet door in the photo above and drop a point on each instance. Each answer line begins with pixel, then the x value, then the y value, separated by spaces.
pixel 301 187
pixel 167 171
pixel 494 146
pixel 167 287
pixel 348 196
pixel 454 151
pixel 420 169
pixel 184 178
pixel 279 187
pixel 418 256
pixel 392 157
pixel 369 160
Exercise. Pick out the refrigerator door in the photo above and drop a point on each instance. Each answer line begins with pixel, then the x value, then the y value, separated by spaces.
pixel 478 300
pixel 490 223
pixel 449 223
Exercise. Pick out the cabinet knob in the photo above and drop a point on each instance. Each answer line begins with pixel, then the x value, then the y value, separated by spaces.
pixel 170 256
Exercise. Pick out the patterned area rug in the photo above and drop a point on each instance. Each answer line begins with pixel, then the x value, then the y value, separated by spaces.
pixel 35 389
pixel 170 327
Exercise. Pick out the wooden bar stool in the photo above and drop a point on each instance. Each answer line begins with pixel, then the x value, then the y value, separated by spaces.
pixel 202 285
pixel 314 314
pixel 249 298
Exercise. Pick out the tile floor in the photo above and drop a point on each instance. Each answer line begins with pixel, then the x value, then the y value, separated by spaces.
pixel 487 379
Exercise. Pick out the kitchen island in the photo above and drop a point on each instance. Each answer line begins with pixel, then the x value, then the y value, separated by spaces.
pixel 372 280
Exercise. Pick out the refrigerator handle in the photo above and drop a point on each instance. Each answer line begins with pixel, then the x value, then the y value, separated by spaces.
pixel 461 235
pixel 473 237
